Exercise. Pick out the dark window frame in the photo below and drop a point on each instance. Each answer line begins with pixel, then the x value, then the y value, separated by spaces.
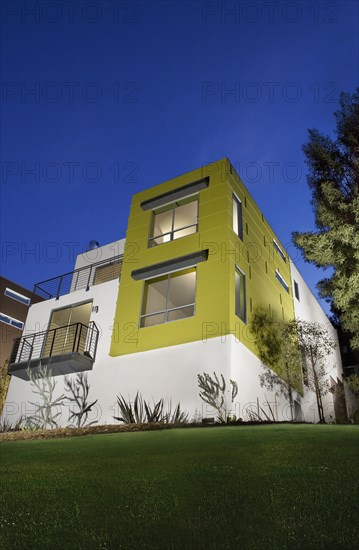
pixel 14 295
pixel 167 310
pixel 279 250
pixel 11 321
pixel 238 202
pixel 241 309
pixel 172 206
pixel 282 281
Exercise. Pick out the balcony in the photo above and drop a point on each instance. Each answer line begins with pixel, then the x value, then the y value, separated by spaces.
pixel 82 278
pixel 67 349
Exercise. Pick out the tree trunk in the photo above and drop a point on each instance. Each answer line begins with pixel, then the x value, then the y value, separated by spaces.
pixel 291 403
pixel 317 390
pixel 290 393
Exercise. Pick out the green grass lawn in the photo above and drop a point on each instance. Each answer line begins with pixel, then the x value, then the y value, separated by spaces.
pixel 265 487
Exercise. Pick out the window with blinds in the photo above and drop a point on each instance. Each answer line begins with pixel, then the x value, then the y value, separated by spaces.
pixel 108 272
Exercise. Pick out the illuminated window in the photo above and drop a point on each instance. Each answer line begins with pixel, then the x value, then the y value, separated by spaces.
pixel 237 217
pixel 240 281
pixel 108 272
pixel 169 298
pixel 71 324
pixel 174 221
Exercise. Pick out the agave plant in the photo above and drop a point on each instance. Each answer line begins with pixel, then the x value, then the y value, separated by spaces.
pixel 256 416
pixel 175 417
pixel 142 412
pixel 7 426
pixel 154 414
pixel 131 414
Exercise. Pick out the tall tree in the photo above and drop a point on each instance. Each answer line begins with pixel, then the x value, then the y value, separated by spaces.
pixel 278 349
pixel 334 182
pixel 316 345
pixel 288 347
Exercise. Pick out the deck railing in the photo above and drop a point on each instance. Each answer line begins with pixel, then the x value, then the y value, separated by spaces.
pixel 82 278
pixel 75 338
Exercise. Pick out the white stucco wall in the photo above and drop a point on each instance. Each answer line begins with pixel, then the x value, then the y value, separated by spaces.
pixel 309 309
pixel 106 252
pixel 169 373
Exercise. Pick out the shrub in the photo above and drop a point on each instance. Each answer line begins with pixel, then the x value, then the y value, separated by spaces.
pixel 46 412
pixel 141 412
pixel 213 392
pixel 79 390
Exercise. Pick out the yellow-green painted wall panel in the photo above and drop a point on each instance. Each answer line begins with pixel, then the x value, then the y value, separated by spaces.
pixel 215 291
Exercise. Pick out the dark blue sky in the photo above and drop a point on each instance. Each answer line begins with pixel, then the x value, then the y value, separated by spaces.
pixel 102 99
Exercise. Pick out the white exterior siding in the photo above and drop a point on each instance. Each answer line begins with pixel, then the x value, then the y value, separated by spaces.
pixel 100 254
pixel 171 372
pixel 307 308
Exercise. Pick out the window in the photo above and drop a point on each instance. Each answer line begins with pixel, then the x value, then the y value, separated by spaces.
pixel 174 221
pixel 67 337
pixel 240 283
pixel 279 250
pixel 296 290
pixel 77 313
pixel 237 217
pixel 108 272
pixel 281 280
pixel 17 296
pixel 169 298
pixel 11 321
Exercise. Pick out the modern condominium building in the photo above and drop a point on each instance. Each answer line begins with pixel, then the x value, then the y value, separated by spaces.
pixel 172 300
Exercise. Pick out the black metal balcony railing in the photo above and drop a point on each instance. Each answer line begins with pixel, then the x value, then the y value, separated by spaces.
pixel 67 349
pixel 79 279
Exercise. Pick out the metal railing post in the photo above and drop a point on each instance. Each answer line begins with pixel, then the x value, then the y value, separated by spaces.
pixel 53 341
pixel 94 328
pixel 79 338
pixel 77 279
pixel 89 279
pixel 90 338
pixel 22 349
pixel 15 349
pixel 59 288
pixel 75 338
pixel 32 346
